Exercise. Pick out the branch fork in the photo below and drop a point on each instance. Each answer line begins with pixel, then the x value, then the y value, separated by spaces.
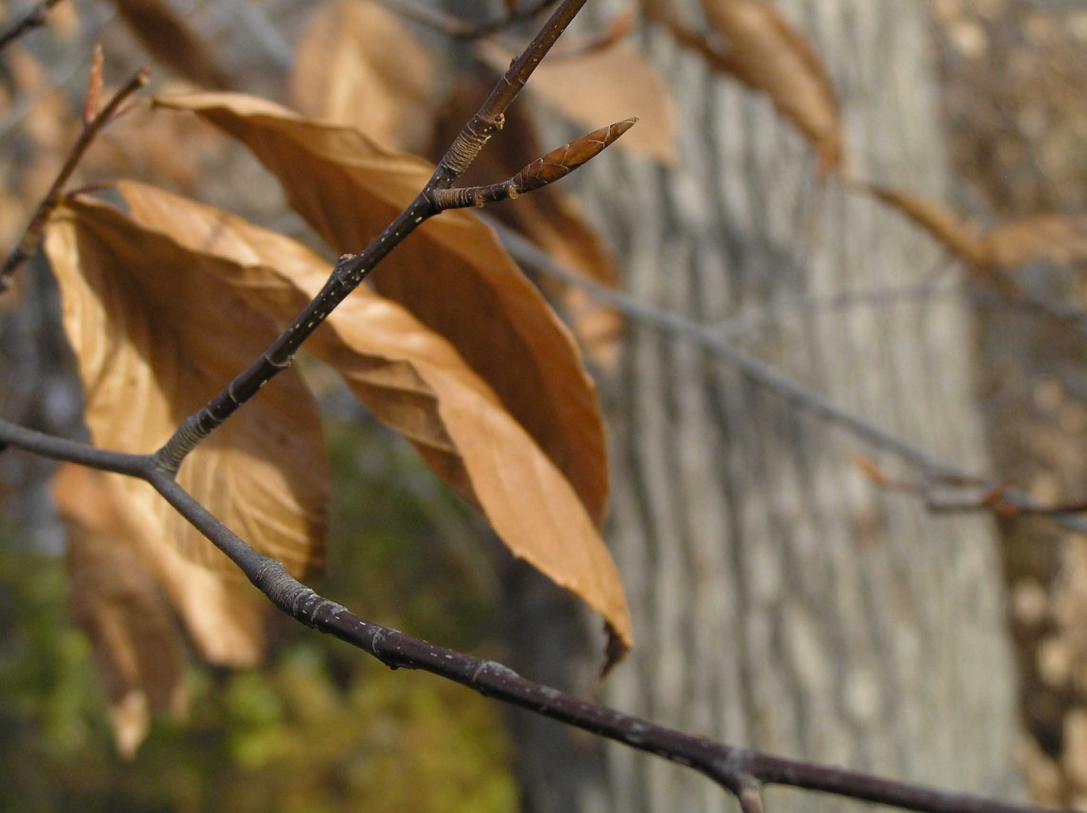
pixel 552 167
pixel 738 771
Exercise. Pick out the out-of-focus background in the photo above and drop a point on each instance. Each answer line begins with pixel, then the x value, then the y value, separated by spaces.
pixel 1010 73
pixel 323 728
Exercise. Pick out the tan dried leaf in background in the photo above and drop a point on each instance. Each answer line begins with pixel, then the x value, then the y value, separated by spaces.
pixel 601 86
pixel 358 65
pixel 452 275
pixel 1054 238
pixel 415 382
pixel 753 42
pixel 122 568
pixel 116 600
pixel 958 235
pixel 153 346
pixel 171 42
pixel 1060 239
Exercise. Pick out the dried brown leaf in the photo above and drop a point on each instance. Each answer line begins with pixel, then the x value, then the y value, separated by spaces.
pixel 957 235
pixel 1053 238
pixel 116 600
pixel 452 275
pixel 608 84
pixel 359 65
pixel 152 347
pixel 171 42
pixel 759 47
pixel 415 382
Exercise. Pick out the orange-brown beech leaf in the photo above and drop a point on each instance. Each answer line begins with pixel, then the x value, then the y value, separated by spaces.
pixel 170 41
pixel 415 382
pixel 549 217
pixel 958 235
pixel 359 65
pixel 1054 238
pixel 452 275
pixel 754 43
pixel 155 338
pixel 116 600
pixel 608 84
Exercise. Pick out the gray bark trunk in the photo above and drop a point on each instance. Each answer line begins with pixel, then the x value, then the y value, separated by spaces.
pixel 779 601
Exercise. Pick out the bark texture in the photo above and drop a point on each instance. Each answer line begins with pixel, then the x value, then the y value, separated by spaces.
pixel 779 600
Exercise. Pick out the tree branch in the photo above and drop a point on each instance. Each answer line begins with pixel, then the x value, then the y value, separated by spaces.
pixel 32 236
pixel 552 167
pixel 761 373
pixel 29 21
pixel 737 770
pixel 352 269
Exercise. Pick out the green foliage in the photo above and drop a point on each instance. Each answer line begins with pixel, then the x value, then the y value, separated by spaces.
pixel 322 729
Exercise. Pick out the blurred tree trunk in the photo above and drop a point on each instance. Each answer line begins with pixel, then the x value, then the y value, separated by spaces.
pixel 779 601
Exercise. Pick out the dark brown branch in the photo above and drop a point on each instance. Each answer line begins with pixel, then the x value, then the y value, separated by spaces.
pixel 354 268
pixel 739 771
pixel 28 22
pixel 72 451
pixel 32 236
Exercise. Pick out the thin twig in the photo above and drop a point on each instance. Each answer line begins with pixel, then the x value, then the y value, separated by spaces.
pixel 352 269
pixel 737 770
pixel 32 236
pixel 758 372
pixel 29 21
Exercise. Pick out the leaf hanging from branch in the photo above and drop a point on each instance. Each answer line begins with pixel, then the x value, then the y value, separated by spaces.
pixel 608 84
pixel 1004 247
pixel 121 571
pixel 412 380
pixel 358 65
pixel 959 236
pixel 452 275
pixel 753 42
pixel 154 346
pixel 115 599
pixel 1053 238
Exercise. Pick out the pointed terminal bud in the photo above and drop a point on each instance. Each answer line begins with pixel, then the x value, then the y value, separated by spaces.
pixel 561 162
pixel 93 103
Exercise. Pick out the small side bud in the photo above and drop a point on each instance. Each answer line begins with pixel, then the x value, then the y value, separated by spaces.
pixel 561 162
